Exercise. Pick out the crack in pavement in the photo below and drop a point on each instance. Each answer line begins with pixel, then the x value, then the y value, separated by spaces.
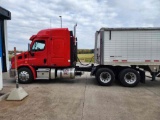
pixel 84 97
pixel 152 92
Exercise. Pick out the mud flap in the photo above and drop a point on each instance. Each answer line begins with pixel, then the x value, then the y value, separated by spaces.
pixel 143 77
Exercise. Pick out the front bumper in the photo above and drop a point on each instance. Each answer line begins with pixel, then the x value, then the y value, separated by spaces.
pixel 12 73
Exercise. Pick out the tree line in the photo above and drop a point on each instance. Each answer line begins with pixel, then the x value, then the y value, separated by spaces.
pixel 12 52
pixel 85 51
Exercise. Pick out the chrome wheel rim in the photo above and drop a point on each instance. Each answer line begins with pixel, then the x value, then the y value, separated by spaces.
pixel 130 78
pixel 24 76
pixel 105 77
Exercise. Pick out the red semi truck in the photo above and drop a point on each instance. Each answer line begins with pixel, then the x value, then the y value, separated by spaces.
pixel 53 54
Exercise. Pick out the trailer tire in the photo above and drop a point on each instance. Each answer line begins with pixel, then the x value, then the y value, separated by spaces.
pixel 129 77
pixel 25 75
pixel 105 76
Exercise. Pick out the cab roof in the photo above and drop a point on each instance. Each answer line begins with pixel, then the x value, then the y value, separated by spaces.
pixel 51 32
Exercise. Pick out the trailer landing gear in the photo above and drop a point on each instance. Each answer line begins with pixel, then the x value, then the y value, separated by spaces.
pixel 153 76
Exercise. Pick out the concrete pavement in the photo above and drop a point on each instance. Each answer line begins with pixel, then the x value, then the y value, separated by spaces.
pixel 83 99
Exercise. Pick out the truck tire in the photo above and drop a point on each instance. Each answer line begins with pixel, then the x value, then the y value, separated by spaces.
pixel 105 76
pixel 25 75
pixel 129 77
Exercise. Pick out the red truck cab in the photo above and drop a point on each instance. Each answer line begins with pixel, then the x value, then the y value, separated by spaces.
pixel 50 49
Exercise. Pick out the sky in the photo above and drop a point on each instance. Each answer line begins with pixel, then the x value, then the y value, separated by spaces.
pixel 31 16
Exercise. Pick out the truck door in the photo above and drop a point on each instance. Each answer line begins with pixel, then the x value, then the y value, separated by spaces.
pixel 38 56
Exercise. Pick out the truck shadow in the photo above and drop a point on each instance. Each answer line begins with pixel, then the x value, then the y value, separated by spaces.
pixel 89 81
pixel 150 83
pixel 61 81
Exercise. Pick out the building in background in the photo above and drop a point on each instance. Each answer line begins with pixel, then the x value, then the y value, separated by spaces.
pixel 4 62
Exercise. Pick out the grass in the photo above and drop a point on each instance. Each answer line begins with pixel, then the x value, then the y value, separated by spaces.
pixel 86 57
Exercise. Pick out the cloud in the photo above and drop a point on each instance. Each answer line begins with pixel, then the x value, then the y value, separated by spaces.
pixel 28 17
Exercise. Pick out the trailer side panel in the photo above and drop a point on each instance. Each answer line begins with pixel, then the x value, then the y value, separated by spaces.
pixel 130 46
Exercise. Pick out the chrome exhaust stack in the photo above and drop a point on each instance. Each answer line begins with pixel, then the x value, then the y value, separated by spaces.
pixel 75 32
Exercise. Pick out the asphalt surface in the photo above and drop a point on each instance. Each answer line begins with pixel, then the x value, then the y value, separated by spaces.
pixel 82 99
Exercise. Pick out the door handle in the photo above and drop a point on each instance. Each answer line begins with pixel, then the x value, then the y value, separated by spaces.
pixel 45 60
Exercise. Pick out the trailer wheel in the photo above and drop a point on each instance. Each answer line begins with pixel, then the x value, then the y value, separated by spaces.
pixel 24 75
pixel 105 76
pixel 129 77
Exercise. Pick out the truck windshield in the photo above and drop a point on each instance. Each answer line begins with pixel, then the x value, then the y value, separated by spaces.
pixel 38 45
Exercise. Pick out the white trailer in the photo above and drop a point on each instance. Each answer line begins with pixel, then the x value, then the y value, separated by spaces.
pixel 125 54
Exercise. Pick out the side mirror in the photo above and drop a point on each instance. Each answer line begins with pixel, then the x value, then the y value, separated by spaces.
pixel 29 50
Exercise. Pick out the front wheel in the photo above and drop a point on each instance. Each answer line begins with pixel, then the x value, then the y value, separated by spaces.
pixel 25 75
pixel 105 76
pixel 129 77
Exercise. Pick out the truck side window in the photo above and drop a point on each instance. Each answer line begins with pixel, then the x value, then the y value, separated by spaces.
pixel 38 45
